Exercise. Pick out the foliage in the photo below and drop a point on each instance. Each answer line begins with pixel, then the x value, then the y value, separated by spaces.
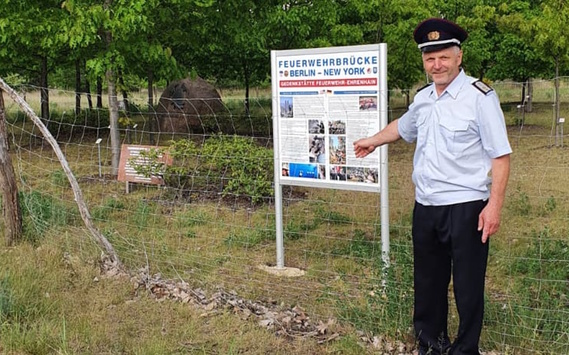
pixel 6 300
pixel 517 56
pixel 542 304
pixel 229 42
pixel 332 217
pixel 550 204
pixel 28 38
pixel 246 167
pixel 41 212
pixel 68 123
pixel 361 246
pixel 521 204
pixel 104 212
pixel 250 237
pixel 235 165
pixel 299 226
pixel 392 291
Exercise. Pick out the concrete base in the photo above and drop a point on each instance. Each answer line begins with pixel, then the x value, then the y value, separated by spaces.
pixel 284 271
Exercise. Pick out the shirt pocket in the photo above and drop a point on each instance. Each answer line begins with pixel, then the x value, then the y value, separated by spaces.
pixel 456 134
pixel 421 129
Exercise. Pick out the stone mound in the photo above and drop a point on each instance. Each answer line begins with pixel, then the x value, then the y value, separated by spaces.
pixel 186 104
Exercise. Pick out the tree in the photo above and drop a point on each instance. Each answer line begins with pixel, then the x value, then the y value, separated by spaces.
pixel 230 44
pixel 404 60
pixel 11 212
pixel 29 44
pixel 306 24
pixel 392 22
pixel 116 32
pixel 78 195
pixel 482 44
pixel 516 57
pixel 552 39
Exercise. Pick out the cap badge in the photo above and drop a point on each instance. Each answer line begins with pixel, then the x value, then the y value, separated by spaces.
pixel 433 36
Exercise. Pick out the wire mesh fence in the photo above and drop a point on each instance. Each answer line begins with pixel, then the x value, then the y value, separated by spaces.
pixel 217 231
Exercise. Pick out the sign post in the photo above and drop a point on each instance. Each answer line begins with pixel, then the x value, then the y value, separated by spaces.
pixel 324 99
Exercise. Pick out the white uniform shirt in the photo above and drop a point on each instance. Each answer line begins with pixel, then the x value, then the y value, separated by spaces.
pixel 458 134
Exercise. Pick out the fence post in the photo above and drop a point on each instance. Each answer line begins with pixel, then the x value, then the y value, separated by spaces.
pixel 11 212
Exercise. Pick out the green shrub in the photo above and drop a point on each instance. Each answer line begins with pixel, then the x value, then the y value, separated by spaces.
pixel 539 279
pixel 521 204
pixel 332 217
pixel 299 225
pixel 58 178
pixel 229 164
pixel 63 124
pixel 388 304
pixel 41 212
pixel 6 300
pixel 250 237
pixel 550 204
pixel 110 205
pixel 246 167
pixel 361 246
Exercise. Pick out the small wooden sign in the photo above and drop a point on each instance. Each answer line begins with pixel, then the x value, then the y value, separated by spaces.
pixel 127 172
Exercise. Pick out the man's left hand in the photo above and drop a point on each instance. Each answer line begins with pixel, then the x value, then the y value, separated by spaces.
pixel 489 221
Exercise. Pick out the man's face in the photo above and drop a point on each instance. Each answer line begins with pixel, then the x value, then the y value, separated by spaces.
pixel 443 66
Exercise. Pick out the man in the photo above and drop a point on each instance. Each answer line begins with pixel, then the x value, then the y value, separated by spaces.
pixel 461 137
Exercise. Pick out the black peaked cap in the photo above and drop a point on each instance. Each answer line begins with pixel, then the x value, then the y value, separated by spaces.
pixel 436 33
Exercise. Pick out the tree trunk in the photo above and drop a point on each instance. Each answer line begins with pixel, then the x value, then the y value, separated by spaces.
pixel 150 89
pixel 246 76
pixel 151 116
pixel 44 92
pixel 77 87
pixel 529 96
pixel 113 103
pixel 11 212
pixel 123 91
pixel 125 106
pixel 556 118
pixel 523 98
pixel 88 93
pixel 114 121
pixel 99 92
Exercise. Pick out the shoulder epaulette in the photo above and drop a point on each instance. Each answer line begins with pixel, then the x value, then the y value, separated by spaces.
pixel 423 87
pixel 482 87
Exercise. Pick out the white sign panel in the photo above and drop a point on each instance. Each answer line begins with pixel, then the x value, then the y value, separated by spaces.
pixel 323 100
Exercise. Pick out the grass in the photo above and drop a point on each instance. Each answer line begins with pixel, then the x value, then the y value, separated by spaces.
pixel 57 303
pixel 53 298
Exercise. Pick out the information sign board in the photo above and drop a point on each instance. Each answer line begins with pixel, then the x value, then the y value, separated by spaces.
pixel 131 153
pixel 325 99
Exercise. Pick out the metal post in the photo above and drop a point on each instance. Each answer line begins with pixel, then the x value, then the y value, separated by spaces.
pixel 561 122
pixel 279 226
pixel 277 174
pixel 98 143
pixel 384 185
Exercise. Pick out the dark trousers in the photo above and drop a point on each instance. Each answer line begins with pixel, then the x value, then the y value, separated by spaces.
pixel 445 241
